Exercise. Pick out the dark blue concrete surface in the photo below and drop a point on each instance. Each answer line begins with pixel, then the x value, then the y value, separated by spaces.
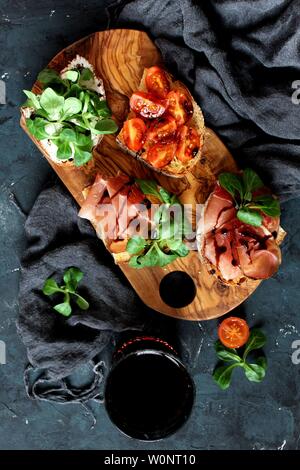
pixel 248 415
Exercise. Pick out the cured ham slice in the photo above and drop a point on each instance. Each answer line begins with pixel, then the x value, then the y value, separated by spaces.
pixel 129 202
pixel 95 194
pixel 260 263
pixel 106 223
pixel 210 250
pixel 233 249
pixel 225 216
pixel 116 184
pixel 115 206
pixel 216 204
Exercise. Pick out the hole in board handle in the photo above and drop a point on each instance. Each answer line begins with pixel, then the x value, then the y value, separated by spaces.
pixel 177 289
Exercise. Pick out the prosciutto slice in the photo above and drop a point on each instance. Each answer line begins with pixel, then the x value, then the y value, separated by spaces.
pixel 115 206
pixel 235 249
pixel 95 194
pixel 220 201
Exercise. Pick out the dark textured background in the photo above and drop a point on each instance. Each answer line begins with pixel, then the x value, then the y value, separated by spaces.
pixel 247 416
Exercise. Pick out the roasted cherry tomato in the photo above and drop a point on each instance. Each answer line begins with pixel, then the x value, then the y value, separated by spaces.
pixel 233 332
pixel 134 131
pixel 162 130
pixel 157 82
pixel 161 154
pixel 188 144
pixel 147 105
pixel 180 106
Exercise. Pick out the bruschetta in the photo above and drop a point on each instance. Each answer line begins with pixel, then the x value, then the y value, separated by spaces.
pixel 135 220
pixel 70 115
pixel 165 126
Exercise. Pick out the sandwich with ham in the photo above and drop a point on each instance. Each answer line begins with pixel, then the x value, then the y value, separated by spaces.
pixel 135 220
pixel 239 229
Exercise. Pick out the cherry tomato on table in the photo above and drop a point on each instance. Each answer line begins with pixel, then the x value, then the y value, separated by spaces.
pixel 157 82
pixel 161 154
pixel 233 332
pixel 134 131
pixel 147 105
pixel 162 129
pixel 180 106
pixel 188 144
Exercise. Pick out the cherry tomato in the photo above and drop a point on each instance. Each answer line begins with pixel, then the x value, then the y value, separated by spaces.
pixel 157 82
pixel 134 131
pixel 188 144
pixel 233 332
pixel 147 105
pixel 162 130
pixel 161 154
pixel 180 106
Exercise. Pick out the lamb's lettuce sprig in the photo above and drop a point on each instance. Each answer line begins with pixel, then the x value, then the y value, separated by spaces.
pixel 68 114
pixel 168 245
pixel 251 206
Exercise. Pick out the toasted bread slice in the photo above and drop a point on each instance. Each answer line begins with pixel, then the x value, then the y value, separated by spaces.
pixel 175 168
pixel 118 250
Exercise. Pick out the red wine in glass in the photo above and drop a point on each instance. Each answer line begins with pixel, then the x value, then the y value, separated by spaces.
pixel 149 394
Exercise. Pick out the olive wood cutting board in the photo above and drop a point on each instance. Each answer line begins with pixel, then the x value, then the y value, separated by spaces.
pixel 119 58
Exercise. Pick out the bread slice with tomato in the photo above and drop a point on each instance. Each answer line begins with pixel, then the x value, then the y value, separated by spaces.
pixel 165 126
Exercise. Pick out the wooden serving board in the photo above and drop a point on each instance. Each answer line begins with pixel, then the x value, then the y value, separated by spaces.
pixel 119 58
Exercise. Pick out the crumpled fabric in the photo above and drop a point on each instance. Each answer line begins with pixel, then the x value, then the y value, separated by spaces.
pixel 56 345
pixel 240 59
